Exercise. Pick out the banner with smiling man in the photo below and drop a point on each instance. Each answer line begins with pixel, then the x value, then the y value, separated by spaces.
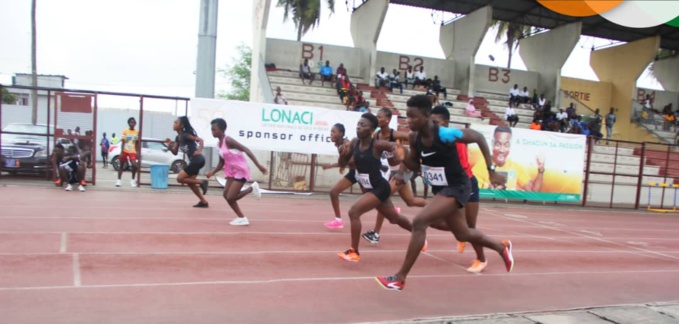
pixel 272 127
pixel 538 165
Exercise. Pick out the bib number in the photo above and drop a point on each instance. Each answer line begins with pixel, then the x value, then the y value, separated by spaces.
pixel 364 180
pixel 434 176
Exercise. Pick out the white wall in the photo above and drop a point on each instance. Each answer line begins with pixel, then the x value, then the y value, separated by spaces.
pixel 443 68
pixel 290 54
pixel 500 80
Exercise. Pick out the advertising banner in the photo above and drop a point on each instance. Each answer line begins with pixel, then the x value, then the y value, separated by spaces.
pixel 272 127
pixel 538 165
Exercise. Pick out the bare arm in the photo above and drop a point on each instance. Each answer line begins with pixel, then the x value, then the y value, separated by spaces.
pixel 230 142
pixel 171 146
pixel 219 166
pixel 200 143
pixel 346 153
pixel 412 160
pixel 381 146
pixel 471 136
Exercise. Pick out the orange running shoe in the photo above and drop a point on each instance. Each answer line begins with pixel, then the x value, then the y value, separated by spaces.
pixel 507 255
pixel 83 182
pixel 57 182
pixel 350 255
pixel 477 266
pixel 424 248
pixel 461 246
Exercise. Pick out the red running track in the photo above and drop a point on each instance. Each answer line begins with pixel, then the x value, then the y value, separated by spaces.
pixel 147 257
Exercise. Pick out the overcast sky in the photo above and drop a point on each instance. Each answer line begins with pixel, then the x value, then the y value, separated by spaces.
pixel 149 46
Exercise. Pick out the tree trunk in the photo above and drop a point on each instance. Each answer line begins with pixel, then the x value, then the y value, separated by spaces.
pixel 299 32
pixel 509 61
pixel 34 69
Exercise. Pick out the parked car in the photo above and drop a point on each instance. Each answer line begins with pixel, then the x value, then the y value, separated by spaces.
pixel 27 153
pixel 152 152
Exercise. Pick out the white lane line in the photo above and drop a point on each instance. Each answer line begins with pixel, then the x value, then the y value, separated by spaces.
pixel 76 270
pixel 64 242
pixel 287 280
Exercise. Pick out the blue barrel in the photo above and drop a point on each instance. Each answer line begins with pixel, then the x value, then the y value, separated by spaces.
pixel 159 175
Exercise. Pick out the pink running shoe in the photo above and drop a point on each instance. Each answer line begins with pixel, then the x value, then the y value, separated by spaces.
pixel 335 224
pixel 390 283
pixel 507 255
pixel 398 210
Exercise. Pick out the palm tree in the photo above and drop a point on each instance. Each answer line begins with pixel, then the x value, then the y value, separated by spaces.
pixel 306 14
pixel 34 68
pixel 513 32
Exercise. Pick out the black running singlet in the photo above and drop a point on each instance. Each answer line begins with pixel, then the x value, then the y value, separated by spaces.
pixel 440 163
pixel 187 146
pixel 368 167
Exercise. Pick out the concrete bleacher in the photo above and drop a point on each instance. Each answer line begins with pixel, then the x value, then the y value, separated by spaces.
pixel 326 96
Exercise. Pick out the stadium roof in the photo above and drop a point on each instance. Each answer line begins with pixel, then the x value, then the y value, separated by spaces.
pixel 530 12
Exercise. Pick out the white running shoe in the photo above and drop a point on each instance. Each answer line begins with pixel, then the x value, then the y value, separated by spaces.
pixel 255 190
pixel 133 183
pixel 81 188
pixel 69 187
pixel 118 183
pixel 238 221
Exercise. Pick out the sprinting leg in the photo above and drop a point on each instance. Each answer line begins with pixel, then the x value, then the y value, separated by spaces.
pixel 233 193
pixel 441 208
pixel 339 187
pixel 195 186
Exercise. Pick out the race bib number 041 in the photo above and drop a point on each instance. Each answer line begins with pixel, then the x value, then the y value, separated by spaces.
pixel 434 176
pixel 364 180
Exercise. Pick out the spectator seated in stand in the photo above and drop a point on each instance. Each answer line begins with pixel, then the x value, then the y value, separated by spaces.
pixel 576 127
pixel 535 125
pixel 535 99
pixel 410 76
pixel 524 96
pixel 394 81
pixel 549 123
pixel 471 111
pixel 305 72
pixel 344 86
pixel 514 94
pixel 350 96
pixel 360 104
pixel 279 98
pixel 668 117
pixel 326 73
pixel 433 97
pixel 381 78
pixel 421 79
pixel 510 115
pixel 436 86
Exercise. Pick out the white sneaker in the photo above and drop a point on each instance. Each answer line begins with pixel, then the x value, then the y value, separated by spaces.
pixel 81 188
pixel 255 190
pixel 69 187
pixel 240 221
pixel 133 183
pixel 118 183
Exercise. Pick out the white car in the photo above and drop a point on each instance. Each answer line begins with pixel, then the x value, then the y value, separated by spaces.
pixel 152 152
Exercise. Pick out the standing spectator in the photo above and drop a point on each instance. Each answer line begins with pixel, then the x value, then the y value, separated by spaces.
pixel 326 73
pixel 105 145
pixel 279 98
pixel 610 121
pixel 570 111
pixel 561 117
pixel 114 139
pixel 595 125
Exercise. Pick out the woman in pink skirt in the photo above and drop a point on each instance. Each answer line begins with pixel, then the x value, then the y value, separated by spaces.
pixel 470 110
pixel 236 170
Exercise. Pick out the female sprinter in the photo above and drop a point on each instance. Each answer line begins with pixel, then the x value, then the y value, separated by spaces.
pixel 337 136
pixel 186 140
